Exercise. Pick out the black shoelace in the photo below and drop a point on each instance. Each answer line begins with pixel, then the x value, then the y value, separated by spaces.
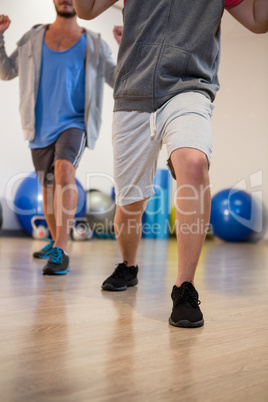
pixel 187 295
pixel 120 270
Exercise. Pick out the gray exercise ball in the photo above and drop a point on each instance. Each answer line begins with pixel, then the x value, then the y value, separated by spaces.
pixel 100 211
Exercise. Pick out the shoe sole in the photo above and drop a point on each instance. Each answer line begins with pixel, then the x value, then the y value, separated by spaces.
pixel 49 272
pixel 111 288
pixel 41 257
pixel 186 323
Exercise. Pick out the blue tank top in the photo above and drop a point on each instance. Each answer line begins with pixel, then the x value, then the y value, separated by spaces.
pixel 61 96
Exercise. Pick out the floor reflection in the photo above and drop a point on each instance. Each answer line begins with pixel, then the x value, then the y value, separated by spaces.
pixel 234 267
pixel 122 337
pixel 47 342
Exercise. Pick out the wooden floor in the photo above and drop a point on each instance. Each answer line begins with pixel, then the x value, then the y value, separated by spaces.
pixel 63 339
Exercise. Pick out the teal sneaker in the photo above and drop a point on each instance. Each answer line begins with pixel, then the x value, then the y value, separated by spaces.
pixel 45 251
pixel 58 263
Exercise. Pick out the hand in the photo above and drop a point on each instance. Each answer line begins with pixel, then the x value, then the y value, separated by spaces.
pixel 4 23
pixel 117 31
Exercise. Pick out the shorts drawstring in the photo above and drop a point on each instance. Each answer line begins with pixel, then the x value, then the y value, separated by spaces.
pixel 153 125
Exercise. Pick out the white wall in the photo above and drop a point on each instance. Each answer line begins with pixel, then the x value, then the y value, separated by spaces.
pixel 239 122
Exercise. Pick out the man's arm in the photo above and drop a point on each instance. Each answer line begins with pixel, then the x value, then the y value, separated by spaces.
pixel 107 63
pixel 89 9
pixel 253 14
pixel 8 65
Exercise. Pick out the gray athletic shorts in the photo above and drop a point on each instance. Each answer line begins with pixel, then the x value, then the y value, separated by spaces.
pixel 182 122
pixel 69 146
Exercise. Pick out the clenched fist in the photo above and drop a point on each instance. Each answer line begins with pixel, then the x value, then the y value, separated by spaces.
pixel 117 31
pixel 4 23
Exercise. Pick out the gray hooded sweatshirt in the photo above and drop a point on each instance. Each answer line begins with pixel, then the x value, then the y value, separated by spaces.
pixel 167 47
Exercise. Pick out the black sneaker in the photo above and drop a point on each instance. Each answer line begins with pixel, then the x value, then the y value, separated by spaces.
pixel 44 252
pixel 58 263
pixel 121 278
pixel 186 312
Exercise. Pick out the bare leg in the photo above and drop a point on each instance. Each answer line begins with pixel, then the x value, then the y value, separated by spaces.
pixel 193 209
pixel 127 224
pixel 48 206
pixel 65 201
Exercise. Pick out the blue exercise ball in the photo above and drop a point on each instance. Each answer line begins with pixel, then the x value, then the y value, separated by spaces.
pixel 82 200
pixel 28 201
pixel 234 215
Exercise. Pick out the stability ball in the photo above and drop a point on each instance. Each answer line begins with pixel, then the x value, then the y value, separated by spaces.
pixel 235 215
pixel 28 201
pixel 100 211
pixel 82 200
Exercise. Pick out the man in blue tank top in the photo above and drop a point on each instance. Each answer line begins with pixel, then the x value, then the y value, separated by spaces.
pixel 164 88
pixel 62 70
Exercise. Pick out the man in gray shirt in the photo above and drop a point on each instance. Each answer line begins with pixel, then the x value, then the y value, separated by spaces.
pixel 166 82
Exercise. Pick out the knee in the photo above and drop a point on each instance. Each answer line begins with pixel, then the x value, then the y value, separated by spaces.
pixel 197 166
pixel 132 211
pixel 191 166
pixel 64 172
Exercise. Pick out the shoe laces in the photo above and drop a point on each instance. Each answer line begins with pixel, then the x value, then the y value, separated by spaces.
pixel 120 270
pixel 56 256
pixel 48 246
pixel 185 294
